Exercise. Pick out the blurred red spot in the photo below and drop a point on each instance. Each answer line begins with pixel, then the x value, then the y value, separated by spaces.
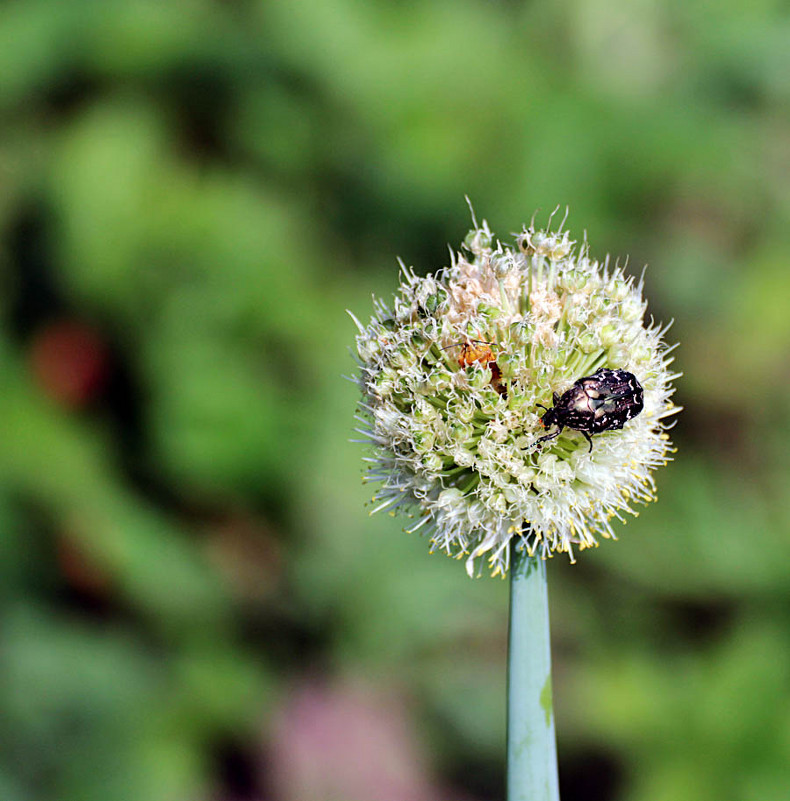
pixel 79 569
pixel 70 362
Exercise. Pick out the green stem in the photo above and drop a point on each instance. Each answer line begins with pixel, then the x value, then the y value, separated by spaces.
pixel 531 745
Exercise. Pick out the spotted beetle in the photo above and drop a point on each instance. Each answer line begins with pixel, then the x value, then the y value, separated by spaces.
pixel 603 401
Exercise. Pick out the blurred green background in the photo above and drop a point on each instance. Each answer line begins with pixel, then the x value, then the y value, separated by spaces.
pixel 194 604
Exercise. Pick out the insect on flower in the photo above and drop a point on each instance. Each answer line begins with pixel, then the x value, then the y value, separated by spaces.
pixel 452 371
pixel 604 401
pixel 476 351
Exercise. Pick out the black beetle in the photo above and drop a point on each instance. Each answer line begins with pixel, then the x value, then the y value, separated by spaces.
pixel 603 401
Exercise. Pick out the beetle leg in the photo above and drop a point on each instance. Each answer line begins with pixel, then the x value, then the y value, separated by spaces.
pixel 549 436
pixel 589 439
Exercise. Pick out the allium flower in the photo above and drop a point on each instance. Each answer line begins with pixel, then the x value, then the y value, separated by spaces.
pixel 454 376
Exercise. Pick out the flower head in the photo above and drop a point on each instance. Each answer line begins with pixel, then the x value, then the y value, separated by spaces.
pixel 458 373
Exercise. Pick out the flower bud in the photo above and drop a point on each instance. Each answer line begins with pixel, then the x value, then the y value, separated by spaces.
pixel 424 440
pixel 478 240
pixel 433 463
pixel 502 265
pixel 608 335
pixel 631 309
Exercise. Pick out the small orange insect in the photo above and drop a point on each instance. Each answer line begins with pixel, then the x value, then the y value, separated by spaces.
pixel 476 351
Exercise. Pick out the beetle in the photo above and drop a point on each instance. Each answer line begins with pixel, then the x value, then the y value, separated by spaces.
pixel 476 351
pixel 603 401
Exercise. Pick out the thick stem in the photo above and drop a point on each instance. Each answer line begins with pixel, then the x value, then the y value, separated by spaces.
pixel 531 744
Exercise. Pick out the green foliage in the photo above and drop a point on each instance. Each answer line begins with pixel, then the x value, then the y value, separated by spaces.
pixel 204 188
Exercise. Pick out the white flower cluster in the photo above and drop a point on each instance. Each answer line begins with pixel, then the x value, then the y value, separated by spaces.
pixel 454 376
